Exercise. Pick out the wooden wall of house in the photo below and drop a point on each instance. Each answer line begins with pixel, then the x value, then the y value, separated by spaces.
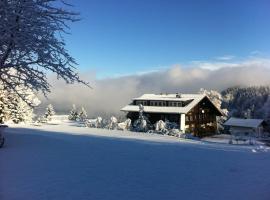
pixel 201 120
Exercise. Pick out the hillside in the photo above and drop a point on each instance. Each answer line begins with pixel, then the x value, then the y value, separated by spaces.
pixel 250 102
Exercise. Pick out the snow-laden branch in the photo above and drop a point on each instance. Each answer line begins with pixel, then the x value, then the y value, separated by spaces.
pixel 31 44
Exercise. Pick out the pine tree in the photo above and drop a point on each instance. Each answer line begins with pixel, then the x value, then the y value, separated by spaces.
pixel 251 102
pixel 21 112
pixel 73 115
pixel 4 110
pixel 141 124
pixel 49 112
pixel 82 114
pixel 13 107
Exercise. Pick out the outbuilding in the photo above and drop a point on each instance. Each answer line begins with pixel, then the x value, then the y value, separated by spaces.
pixel 253 127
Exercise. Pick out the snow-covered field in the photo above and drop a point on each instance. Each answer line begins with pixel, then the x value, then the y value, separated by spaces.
pixel 68 162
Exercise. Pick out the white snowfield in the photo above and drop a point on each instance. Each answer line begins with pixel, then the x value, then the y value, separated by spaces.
pixel 66 162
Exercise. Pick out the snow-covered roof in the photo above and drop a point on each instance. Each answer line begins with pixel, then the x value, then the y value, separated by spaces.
pixel 170 97
pixel 249 123
pixel 195 99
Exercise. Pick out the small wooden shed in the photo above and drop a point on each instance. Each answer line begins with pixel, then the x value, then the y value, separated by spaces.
pixel 254 127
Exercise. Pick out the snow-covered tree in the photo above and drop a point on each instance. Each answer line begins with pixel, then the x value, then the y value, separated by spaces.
pixel 31 44
pixel 4 109
pixel 213 95
pixel 73 114
pixel 250 102
pixel 82 114
pixel 21 111
pixel 141 124
pixel 217 99
pixel 266 108
pixel 49 112
pixel 112 123
pixel 13 107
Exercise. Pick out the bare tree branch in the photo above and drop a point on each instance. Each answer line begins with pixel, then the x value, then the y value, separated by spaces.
pixel 30 45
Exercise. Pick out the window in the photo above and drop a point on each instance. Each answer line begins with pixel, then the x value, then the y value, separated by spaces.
pixel 187 119
pixel 141 102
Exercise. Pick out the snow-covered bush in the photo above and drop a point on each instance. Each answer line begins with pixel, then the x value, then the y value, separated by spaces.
pixel 94 123
pixel 124 125
pixel 142 124
pixel 160 126
pixel 168 128
pixel 113 123
pixel 40 120
pixel 171 125
pixel 174 132
pixel 105 123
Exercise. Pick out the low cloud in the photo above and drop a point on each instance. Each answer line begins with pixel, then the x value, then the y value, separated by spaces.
pixel 108 96
pixel 214 65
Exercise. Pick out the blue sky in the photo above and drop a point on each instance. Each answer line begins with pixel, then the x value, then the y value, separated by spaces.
pixel 118 37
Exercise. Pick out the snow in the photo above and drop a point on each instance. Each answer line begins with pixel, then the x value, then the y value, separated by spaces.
pixel 250 123
pixel 225 139
pixel 170 97
pixel 70 162
pixel 196 98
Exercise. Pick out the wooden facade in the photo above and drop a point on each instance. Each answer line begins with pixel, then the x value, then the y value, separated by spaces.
pixel 202 119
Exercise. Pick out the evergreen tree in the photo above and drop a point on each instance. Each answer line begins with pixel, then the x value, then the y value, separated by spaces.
pixel 49 112
pixel 247 102
pixel 4 110
pixel 73 115
pixel 82 114
pixel 13 107
pixel 21 112
pixel 142 123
